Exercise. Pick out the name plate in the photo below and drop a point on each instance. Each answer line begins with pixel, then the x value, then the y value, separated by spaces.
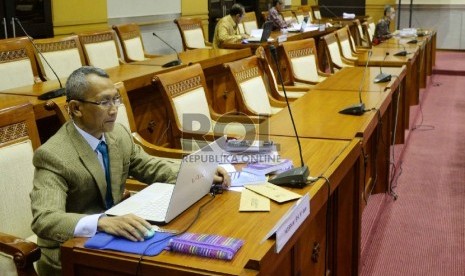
pixel 290 222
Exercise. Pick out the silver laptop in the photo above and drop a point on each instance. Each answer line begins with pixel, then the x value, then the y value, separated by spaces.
pixel 159 203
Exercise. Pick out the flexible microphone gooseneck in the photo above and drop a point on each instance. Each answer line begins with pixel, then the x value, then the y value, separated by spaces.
pixel 402 53
pixel 171 63
pixel 382 77
pixel 296 177
pixel 56 92
pixel 359 108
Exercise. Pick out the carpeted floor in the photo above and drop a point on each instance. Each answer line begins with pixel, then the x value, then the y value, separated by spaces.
pixel 423 231
pixel 450 63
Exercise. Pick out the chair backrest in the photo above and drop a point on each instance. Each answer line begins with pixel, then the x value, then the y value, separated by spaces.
pixel 191 33
pixel 248 75
pixel 18 140
pixel 333 51
pixel 307 11
pixel 302 59
pixel 131 41
pixel 299 15
pixel 184 92
pixel 371 26
pixel 368 33
pixel 64 54
pixel 17 63
pixel 359 31
pixel 101 48
pixel 316 13
pixel 250 22
pixel 344 42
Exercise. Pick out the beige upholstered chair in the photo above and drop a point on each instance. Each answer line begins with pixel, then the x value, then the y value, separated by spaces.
pixel 18 140
pixel 192 35
pixel 249 21
pixel 363 40
pixel 344 43
pixel 299 15
pixel 307 11
pixel 368 33
pixel 253 95
pixel 131 42
pixel 273 86
pixel 64 54
pixel 316 13
pixel 101 48
pixel 302 61
pixel 288 16
pixel 191 116
pixel 125 117
pixel 371 26
pixel 17 63
pixel 336 60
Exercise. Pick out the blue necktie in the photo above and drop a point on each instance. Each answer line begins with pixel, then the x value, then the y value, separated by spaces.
pixel 102 148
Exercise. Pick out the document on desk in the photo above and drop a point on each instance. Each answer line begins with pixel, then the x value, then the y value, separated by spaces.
pixel 253 202
pixel 273 192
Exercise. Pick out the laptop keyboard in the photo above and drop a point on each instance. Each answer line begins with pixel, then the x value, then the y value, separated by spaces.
pixel 156 208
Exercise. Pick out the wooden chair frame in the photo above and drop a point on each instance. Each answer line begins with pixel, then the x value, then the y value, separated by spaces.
pixel 12 119
pixel 19 48
pixel 178 82
pixel 329 39
pixel 244 69
pixel 343 35
pixel 185 24
pixel 249 17
pixel 301 48
pixel 129 31
pixel 98 36
pixel 58 44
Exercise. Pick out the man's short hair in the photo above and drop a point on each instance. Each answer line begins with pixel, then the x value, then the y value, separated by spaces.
pixel 236 9
pixel 77 84
pixel 275 2
pixel 387 9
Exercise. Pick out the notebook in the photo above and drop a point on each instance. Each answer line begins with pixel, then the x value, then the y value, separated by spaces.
pixel 265 33
pixel 159 203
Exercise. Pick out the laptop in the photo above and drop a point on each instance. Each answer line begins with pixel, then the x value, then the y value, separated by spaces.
pixel 159 203
pixel 298 28
pixel 265 33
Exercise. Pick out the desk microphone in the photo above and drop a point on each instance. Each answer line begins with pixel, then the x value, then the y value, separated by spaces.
pixel 382 77
pixel 402 53
pixel 56 92
pixel 296 177
pixel 171 63
pixel 358 109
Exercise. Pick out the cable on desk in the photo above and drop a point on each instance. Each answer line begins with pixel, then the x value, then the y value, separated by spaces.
pixel 176 234
pixel 394 134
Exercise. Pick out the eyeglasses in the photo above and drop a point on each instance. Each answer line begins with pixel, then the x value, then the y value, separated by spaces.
pixel 106 103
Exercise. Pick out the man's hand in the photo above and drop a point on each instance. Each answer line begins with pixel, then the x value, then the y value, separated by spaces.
pixel 222 176
pixel 129 226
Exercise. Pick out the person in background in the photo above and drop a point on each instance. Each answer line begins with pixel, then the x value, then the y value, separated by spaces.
pixel 227 28
pixel 81 171
pixel 382 28
pixel 274 15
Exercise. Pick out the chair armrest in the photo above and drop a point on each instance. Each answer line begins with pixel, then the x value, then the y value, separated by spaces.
pixel 240 118
pixel 146 55
pixel 305 81
pixel 295 88
pixel 323 74
pixel 276 103
pixel 121 61
pixel 157 150
pixel 207 43
pixel 348 61
pixel 24 252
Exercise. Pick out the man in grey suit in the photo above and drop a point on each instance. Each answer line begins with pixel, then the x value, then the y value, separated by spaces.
pixel 81 171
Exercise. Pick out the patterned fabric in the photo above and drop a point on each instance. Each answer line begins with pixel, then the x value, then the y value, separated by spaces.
pixel 210 246
pixel 277 19
pixel 226 30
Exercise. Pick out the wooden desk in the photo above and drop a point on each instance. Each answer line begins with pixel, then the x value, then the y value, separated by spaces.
pixel 397 45
pixel 350 78
pixel 316 116
pixel 337 160
pixel 411 61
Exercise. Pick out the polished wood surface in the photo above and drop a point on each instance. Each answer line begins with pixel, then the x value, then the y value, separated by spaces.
pixel 334 159
pixel 385 57
pixel 350 79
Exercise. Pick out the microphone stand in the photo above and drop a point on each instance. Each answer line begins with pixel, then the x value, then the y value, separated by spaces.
pixel 56 92
pixel 382 77
pixel 358 109
pixel 171 63
pixel 296 177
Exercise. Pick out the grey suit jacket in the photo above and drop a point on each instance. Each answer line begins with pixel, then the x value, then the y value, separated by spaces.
pixel 69 183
